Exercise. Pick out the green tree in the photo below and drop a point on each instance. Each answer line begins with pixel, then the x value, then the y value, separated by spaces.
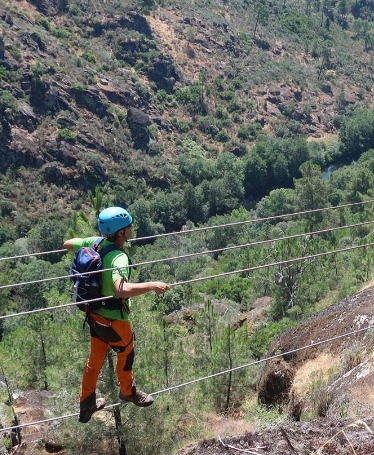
pixel 280 201
pixel 311 192
pixel 326 55
pixel 192 203
pixel 361 182
pixel 287 276
pixel 144 225
pixel 47 235
pixel 96 200
pixel 357 134
pixel 255 175
pixel 32 296
pixel 147 6
pixel 261 14
pixel 203 77
pixel 343 7
pixel 168 210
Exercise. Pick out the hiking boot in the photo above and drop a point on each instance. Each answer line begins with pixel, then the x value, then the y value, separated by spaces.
pixel 137 397
pixel 85 413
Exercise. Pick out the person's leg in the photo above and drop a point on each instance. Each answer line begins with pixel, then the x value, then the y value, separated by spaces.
pixel 88 404
pixel 93 367
pixel 125 355
pixel 125 359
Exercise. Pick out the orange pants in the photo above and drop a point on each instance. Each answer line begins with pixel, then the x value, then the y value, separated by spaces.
pixel 105 334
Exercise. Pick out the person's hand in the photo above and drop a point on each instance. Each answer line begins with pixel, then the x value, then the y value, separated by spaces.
pixel 159 287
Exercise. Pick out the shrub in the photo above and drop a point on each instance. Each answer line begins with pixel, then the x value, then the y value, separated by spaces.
pixel 153 129
pixel 67 135
pixel 59 32
pixel 221 112
pixel 16 53
pixel 236 84
pixel 222 136
pixel 321 396
pixel 219 83
pixel 44 22
pixel 234 106
pixel 89 56
pixel 39 69
pixel 351 358
pixel 237 118
pixel 155 149
pixel 227 95
pixel 7 100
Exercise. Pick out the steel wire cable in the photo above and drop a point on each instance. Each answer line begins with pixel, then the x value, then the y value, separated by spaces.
pixel 169 389
pixel 256 220
pixel 204 378
pixel 206 228
pixel 204 278
pixel 190 255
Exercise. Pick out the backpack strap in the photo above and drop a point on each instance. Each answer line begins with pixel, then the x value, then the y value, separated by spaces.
pixel 114 302
pixel 107 249
pixel 97 243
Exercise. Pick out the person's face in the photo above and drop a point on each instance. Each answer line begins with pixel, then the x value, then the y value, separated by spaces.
pixel 128 232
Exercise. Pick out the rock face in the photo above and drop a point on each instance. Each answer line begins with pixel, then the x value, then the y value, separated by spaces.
pixel 275 383
pixel 27 117
pixel 90 99
pixel 344 365
pixel 163 73
pixel 138 122
pixel 349 392
pixel 42 5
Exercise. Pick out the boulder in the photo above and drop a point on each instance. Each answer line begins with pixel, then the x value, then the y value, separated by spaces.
pixel 90 99
pixel 27 116
pixel 138 122
pixel 276 383
pixel 163 73
pixel 6 17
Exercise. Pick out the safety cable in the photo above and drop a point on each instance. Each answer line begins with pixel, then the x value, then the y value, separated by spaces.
pixel 20 256
pixel 256 220
pixel 54 307
pixel 194 280
pixel 206 228
pixel 204 278
pixel 204 378
pixel 245 245
pixel 190 255
pixel 287 261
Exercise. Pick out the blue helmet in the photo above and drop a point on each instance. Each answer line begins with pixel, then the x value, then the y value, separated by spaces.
pixel 113 219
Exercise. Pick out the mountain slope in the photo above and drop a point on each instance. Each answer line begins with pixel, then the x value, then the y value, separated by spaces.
pixel 96 92
pixel 333 380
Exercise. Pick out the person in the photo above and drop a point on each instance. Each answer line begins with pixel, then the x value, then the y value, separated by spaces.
pixel 111 328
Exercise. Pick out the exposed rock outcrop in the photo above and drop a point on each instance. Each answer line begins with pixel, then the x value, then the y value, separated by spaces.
pixel 353 353
pixel 138 122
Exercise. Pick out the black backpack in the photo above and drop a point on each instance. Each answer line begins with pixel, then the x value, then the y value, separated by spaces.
pixel 87 285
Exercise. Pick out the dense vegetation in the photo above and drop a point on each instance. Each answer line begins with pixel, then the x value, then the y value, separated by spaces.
pixel 214 159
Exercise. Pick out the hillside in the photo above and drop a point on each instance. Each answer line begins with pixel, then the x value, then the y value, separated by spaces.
pixel 97 91
pixel 334 379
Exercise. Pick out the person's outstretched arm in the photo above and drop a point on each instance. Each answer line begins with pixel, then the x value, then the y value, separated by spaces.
pixel 126 290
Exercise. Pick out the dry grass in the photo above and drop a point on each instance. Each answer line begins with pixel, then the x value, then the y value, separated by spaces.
pixel 303 378
pixel 226 426
pixel 368 285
